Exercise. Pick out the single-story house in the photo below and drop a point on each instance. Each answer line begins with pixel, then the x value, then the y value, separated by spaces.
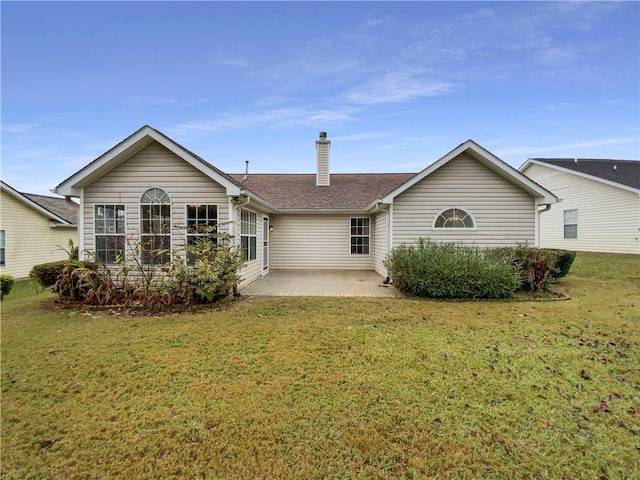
pixel 300 221
pixel 599 209
pixel 34 229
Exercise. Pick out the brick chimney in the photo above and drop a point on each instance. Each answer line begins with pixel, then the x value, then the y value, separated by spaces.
pixel 322 163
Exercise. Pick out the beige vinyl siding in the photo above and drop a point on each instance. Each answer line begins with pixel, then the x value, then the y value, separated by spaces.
pixel 504 213
pixel 381 242
pixel 153 166
pixel 316 241
pixel 30 238
pixel 608 216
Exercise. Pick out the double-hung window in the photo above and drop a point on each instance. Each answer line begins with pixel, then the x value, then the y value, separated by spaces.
pixel 155 231
pixel 360 236
pixel 571 224
pixel 109 230
pixel 248 234
pixel 202 224
pixel 3 248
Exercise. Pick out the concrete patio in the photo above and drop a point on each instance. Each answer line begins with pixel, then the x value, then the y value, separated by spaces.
pixel 320 283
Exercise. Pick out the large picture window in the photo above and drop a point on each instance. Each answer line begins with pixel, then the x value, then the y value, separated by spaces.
pixel 155 231
pixel 571 224
pixel 454 218
pixel 248 234
pixel 109 230
pixel 202 223
pixel 360 236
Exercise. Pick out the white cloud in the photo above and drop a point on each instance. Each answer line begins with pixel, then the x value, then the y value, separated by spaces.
pixel 276 118
pixel 568 148
pixel 398 86
pixel 20 128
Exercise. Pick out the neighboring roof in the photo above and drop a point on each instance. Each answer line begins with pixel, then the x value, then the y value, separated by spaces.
pixel 130 146
pixel 59 206
pixel 55 209
pixel 348 191
pixel 622 172
pixel 488 159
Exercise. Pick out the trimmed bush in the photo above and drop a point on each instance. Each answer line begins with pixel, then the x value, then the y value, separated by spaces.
pixel 447 270
pixel 564 261
pixel 46 274
pixel 536 265
pixel 6 284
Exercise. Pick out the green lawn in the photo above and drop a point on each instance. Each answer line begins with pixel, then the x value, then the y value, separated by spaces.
pixel 306 388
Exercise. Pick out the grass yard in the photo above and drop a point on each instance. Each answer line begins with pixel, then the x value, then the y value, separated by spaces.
pixel 315 388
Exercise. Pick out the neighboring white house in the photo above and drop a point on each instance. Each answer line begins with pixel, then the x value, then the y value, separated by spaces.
pixel 32 228
pixel 296 221
pixel 599 203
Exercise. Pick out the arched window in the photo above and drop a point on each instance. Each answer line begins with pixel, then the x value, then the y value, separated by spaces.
pixel 155 226
pixel 454 218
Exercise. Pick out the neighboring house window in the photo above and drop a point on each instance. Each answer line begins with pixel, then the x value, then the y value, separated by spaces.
pixel 248 222
pixel 202 223
pixel 454 218
pixel 360 236
pixel 109 229
pixel 155 231
pixel 3 248
pixel 571 224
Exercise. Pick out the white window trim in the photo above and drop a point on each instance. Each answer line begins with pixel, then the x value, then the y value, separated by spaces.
pixel 360 236
pixel 565 224
pixel 3 246
pixel 459 229
pixel 140 219
pixel 249 235
pixel 186 217
pixel 195 235
pixel 96 234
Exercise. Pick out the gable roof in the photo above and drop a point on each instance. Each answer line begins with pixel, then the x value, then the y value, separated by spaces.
pixel 623 173
pixel 348 191
pixel 130 146
pixel 58 210
pixel 545 197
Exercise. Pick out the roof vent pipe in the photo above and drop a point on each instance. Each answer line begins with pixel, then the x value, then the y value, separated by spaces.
pixel 246 169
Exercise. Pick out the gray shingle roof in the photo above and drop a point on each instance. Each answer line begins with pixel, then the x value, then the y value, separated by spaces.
pixel 299 191
pixel 624 172
pixel 57 206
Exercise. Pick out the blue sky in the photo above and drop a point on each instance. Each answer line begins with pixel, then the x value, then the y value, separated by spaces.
pixel 395 85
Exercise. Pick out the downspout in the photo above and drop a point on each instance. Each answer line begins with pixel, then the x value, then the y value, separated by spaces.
pixel 234 204
pixel 537 228
pixel 80 222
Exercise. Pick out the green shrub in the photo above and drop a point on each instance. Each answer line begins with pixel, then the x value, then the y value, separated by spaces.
pixel 213 275
pixel 46 274
pixel 564 261
pixel 6 284
pixel 535 265
pixel 447 270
